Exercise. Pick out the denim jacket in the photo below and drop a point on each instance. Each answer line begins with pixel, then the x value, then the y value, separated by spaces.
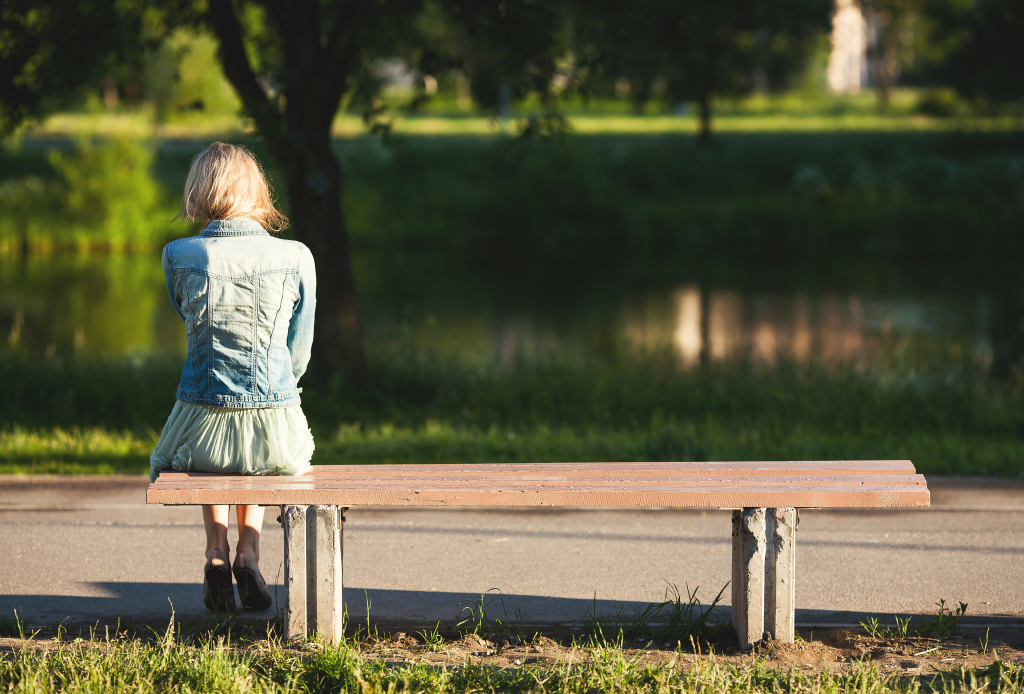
pixel 247 300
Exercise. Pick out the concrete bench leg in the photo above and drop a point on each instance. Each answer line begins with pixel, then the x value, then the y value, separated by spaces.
pixel 748 550
pixel 312 571
pixel 763 574
pixel 323 569
pixel 293 518
pixel 780 574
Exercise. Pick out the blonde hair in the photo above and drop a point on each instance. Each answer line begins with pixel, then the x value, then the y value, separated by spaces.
pixel 226 182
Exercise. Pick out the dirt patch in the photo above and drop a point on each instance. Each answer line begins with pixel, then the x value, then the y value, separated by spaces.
pixel 833 650
pixel 838 650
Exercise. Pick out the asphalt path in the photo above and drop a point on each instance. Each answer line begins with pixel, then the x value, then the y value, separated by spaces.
pixel 89 549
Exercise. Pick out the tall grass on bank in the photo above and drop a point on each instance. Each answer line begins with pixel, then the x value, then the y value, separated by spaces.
pixel 590 204
pixel 166 666
pixel 432 409
pixel 752 204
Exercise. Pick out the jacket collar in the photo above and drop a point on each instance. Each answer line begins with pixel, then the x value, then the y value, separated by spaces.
pixel 241 226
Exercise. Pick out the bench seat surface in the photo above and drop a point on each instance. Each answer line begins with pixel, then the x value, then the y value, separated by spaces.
pixel 777 484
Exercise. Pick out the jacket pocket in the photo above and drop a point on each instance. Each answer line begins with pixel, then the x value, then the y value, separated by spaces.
pixel 280 371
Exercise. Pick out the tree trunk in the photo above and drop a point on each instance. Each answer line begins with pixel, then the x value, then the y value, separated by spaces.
pixel 705 120
pixel 880 20
pixel 314 191
pixel 313 79
pixel 882 86
pixel 641 95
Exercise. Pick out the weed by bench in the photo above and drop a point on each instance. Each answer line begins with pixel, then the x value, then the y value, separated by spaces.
pixel 947 622
pixel 672 620
pixel 877 631
pixel 15 627
pixel 472 619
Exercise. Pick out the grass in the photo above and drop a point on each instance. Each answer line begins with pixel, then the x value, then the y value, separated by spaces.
pixel 15 626
pixel 766 438
pixel 173 662
pixel 760 112
pixel 473 619
pixel 74 451
pixel 946 623
pixel 876 630
pixel 639 203
pixel 102 416
pixel 755 208
pixel 675 620
pixel 432 638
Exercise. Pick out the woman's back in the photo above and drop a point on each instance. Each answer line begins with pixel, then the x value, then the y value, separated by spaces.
pixel 247 300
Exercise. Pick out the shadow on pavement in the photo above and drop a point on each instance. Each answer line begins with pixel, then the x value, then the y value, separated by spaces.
pixel 151 604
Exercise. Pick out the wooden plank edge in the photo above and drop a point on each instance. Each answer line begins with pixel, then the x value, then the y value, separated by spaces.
pixel 710 468
pixel 892 498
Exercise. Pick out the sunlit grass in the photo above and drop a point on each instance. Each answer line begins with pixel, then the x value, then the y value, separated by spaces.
pixel 443 442
pixel 103 415
pixel 349 126
pixel 96 450
pixel 180 665
pixel 76 450
pixel 758 113
pixel 138 124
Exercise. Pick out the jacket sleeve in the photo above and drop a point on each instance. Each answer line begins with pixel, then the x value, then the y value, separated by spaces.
pixel 169 278
pixel 300 332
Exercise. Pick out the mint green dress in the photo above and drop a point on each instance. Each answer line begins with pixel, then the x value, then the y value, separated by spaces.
pixel 256 441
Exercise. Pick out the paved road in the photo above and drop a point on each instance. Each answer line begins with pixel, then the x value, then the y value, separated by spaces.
pixel 90 549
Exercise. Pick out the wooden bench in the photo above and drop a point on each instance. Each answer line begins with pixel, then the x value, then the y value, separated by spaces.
pixel 764 496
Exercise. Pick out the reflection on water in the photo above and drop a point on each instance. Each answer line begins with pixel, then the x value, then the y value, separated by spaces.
pixel 112 305
pixel 117 306
pixel 828 330
pixel 688 338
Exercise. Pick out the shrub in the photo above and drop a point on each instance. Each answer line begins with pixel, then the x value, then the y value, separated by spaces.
pixel 107 194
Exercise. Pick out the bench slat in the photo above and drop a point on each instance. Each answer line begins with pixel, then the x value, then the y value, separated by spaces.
pixel 796 497
pixel 780 484
pixel 523 485
pixel 688 468
pixel 417 482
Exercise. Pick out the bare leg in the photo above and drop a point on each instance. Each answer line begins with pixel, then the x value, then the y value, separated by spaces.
pixel 215 518
pixel 250 523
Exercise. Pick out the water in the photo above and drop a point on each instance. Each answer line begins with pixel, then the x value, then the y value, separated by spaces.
pixel 111 306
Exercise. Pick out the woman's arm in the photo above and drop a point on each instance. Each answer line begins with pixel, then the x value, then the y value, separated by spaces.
pixel 169 278
pixel 300 332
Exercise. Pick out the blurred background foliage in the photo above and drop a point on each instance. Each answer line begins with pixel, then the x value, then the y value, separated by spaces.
pixel 546 202
pixel 152 77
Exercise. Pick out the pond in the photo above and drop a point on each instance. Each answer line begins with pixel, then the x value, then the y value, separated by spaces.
pixel 116 306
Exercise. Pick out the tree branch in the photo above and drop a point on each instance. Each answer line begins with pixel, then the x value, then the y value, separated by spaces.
pixel 239 72
pixel 341 45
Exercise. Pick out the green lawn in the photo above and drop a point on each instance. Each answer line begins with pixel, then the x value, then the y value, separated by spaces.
pixel 790 112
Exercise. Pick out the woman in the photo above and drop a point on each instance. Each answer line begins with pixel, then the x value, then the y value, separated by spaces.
pixel 247 300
